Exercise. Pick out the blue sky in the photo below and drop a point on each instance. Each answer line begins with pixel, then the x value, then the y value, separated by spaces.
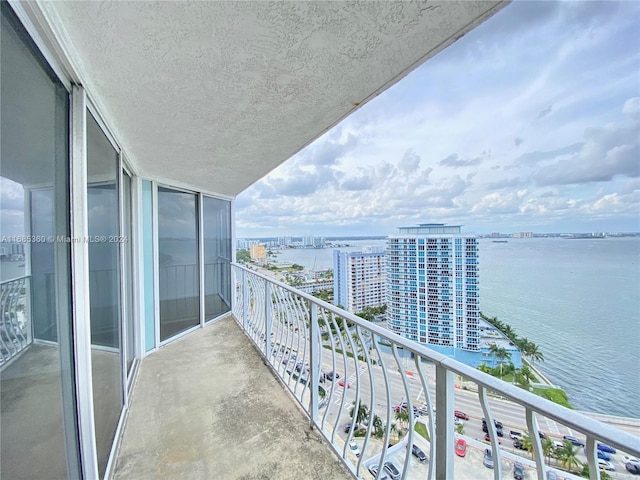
pixel 531 122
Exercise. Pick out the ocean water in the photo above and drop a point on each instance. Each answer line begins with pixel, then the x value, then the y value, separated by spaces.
pixel 579 300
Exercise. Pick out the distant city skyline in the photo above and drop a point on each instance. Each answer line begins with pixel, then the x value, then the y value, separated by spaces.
pixel 528 123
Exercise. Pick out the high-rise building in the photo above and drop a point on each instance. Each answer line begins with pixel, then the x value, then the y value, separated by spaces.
pixel 359 279
pixel 432 289
pixel 258 253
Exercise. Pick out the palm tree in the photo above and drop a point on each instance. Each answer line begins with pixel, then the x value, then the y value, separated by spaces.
pixel 483 367
pixel 378 429
pixel 533 352
pixel 362 414
pixel 527 444
pixel 394 430
pixel 568 456
pixel 402 417
pixel 501 354
pixel 526 373
pixel 547 448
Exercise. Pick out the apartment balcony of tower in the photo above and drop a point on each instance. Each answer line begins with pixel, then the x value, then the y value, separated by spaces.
pixel 155 355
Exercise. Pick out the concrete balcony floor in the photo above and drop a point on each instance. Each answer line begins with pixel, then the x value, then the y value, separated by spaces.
pixel 206 406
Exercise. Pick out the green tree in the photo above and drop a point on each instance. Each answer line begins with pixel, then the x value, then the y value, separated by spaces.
pixel 403 417
pixel 527 443
pixel 363 412
pixel 394 430
pixel 483 367
pixel 526 373
pixel 568 456
pixel 548 448
pixel 501 354
pixel 243 256
pixel 532 351
pixel 460 428
pixel 378 428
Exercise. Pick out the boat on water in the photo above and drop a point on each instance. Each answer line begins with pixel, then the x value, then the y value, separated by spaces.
pixel 500 241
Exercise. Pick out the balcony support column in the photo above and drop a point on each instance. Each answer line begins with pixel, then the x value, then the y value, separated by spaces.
pixel 444 423
pixel 314 363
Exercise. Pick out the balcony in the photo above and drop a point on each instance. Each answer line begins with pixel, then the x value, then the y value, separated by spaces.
pixel 305 341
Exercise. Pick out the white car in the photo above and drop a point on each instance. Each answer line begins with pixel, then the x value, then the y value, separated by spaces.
pixel 630 459
pixel 355 448
pixel 604 465
pixel 457 421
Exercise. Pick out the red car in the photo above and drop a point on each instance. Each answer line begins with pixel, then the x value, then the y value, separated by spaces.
pixel 462 415
pixel 487 439
pixel 341 383
pixel 461 447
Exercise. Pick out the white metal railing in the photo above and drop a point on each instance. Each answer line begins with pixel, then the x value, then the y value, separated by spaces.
pixel 308 343
pixel 15 327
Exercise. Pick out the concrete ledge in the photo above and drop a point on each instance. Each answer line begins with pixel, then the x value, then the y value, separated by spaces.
pixel 205 406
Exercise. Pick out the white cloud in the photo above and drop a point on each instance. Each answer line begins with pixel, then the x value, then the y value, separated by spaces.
pixel 531 119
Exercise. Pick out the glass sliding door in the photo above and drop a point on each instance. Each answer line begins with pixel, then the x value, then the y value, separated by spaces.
pixel 216 227
pixel 178 274
pixel 38 426
pixel 104 288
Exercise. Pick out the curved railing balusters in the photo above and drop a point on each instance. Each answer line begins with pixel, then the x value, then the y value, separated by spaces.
pixel 289 309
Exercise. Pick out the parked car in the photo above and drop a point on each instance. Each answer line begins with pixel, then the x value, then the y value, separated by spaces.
pixel 573 440
pixel 347 427
pixel 419 454
pixel 495 422
pixel 629 459
pixel 606 448
pixel 552 475
pixel 488 458
pixel 604 465
pixel 604 455
pixel 518 471
pixel 461 415
pixel 332 375
pixel 355 448
pixel 392 470
pixel 488 439
pixel 461 447
pixel 632 468
pixel 373 470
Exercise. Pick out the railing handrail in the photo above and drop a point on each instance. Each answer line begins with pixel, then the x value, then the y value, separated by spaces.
pixel 571 418
pixel 14 279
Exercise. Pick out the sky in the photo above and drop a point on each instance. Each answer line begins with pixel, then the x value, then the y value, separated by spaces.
pixel 530 122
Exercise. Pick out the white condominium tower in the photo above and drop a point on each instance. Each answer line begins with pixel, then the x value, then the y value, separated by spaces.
pixel 359 279
pixel 432 288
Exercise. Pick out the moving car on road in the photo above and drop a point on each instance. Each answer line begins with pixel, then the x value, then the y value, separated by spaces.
pixel 488 439
pixel 461 415
pixel 573 440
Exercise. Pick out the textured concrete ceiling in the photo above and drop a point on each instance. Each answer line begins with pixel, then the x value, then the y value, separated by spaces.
pixel 216 94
